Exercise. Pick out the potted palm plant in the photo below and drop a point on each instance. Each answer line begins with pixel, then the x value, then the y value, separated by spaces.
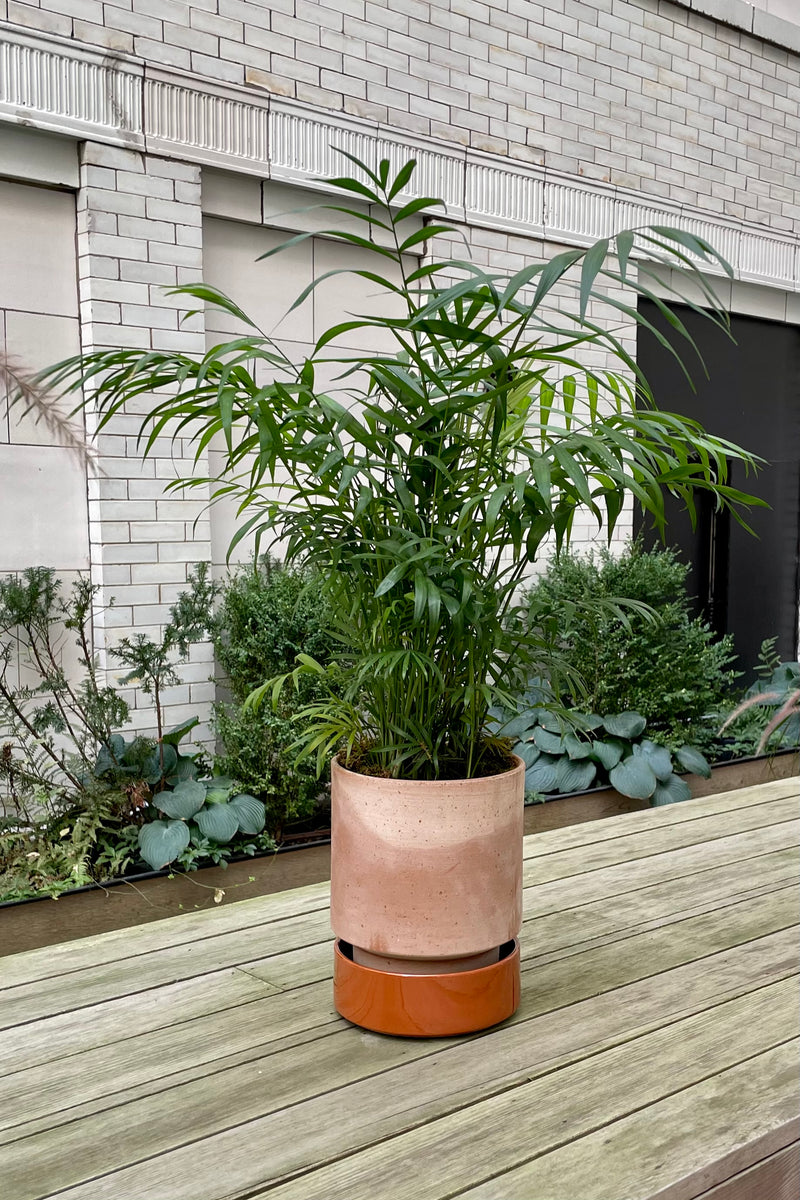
pixel 423 485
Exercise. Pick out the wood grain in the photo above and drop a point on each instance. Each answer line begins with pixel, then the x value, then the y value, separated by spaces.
pixel 645 843
pixel 567 1104
pixel 58 961
pixel 155 1123
pixel 556 840
pixel 776 1177
pixel 671 1149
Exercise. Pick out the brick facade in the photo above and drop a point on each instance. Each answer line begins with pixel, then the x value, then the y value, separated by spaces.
pixel 139 233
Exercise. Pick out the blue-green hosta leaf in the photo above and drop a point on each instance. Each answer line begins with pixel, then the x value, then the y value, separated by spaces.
pixel 117 744
pixel 634 777
pixel 551 722
pixel 112 754
pixel 576 747
pixel 786 676
pixel 527 752
pixel 186 769
pixel 790 732
pixel 625 724
pixel 542 776
pixel 218 789
pixel 162 841
pixel 219 822
pixel 174 735
pixel 671 791
pixel 250 813
pixel 692 760
pixel 575 776
pixel 586 722
pixel 183 801
pixel 608 754
pixel 658 758
pixel 152 766
pixel 518 727
pixel 551 743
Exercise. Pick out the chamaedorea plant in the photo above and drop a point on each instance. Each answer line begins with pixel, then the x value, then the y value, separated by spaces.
pixel 423 496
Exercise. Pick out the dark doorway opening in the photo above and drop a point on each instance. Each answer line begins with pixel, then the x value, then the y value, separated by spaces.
pixel 742 585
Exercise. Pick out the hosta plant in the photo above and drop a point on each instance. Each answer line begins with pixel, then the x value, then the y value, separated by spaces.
pixel 576 751
pixel 423 482
pixel 197 811
pixel 155 763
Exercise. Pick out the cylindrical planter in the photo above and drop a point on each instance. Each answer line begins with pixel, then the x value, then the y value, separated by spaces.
pixel 426 900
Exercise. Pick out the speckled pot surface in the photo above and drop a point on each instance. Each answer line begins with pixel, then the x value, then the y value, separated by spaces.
pixel 426 870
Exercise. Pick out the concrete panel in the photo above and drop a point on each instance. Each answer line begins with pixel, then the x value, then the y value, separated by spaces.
pixel 343 296
pixel 3 402
pixel 776 29
pixel 43 514
pixel 34 341
pixel 237 197
pixel 38 157
pixel 264 290
pixel 301 210
pixel 37 250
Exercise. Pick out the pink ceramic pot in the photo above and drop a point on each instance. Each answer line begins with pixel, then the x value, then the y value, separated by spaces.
pixel 426 878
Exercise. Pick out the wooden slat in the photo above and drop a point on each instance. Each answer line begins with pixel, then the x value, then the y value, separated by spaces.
pixel 661 965
pixel 674 1149
pixel 453 1148
pixel 753 917
pixel 189 928
pixel 109 947
pixel 589 833
pixel 602 1020
pixel 32 965
pixel 775 1177
pixel 647 842
pixel 613 918
pixel 308 965
pixel 622 878
pixel 121 977
pixel 84 1029
pixel 153 1056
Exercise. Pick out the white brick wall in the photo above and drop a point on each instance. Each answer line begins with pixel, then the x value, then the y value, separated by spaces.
pixel 140 217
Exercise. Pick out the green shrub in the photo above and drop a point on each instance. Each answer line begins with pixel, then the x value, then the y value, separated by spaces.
pixel 672 669
pixel 267 616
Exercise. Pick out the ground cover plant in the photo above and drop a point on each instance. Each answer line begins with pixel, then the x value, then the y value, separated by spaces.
pixel 422 496
pixel 80 801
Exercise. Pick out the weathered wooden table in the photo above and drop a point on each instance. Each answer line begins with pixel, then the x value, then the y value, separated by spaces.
pixel 655 1052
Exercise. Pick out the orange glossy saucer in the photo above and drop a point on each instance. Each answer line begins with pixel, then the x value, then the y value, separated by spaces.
pixel 426 1005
